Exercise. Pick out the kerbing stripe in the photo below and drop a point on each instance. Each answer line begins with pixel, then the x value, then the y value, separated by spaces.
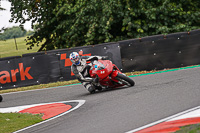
pixel 81 102
pixel 163 120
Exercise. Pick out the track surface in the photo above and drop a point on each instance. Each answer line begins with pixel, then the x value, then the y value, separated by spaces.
pixel 154 97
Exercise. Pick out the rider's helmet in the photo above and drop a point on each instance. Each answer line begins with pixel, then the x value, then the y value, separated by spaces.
pixel 75 58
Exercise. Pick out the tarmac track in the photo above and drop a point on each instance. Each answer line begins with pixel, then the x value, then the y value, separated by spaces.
pixel 154 97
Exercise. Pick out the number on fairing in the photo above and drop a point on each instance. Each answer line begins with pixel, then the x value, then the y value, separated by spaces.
pixel 102 72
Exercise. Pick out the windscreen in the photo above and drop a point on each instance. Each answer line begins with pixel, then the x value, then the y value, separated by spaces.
pixel 97 66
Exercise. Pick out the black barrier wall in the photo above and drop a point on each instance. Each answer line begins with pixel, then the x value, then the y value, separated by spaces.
pixel 55 65
pixel 148 53
pixel 159 52
pixel 24 71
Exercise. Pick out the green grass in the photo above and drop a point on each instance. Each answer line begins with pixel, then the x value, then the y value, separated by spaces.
pixel 8 47
pixel 10 122
pixel 190 129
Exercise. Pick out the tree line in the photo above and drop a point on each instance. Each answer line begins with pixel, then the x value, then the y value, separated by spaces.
pixel 14 32
pixel 70 23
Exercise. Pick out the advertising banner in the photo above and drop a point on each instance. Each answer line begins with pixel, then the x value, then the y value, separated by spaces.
pixel 24 71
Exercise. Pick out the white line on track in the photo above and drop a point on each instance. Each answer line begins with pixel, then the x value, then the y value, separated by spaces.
pixel 163 120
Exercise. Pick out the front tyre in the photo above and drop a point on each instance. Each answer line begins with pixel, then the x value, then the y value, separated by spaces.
pixel 91 89
pixel 1 98
pixel 125 80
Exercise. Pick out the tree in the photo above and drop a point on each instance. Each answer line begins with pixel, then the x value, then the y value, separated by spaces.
pixel 29 33
pixel 70 23
pixel 13 32
pixel 1 30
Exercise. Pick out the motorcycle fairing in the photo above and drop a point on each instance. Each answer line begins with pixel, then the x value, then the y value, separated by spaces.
pixel 106 71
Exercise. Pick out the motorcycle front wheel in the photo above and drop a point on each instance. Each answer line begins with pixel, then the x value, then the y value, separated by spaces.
pixel 1 98
pixel 125 80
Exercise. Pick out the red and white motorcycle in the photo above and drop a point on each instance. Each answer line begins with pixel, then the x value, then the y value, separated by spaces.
pixel 109 75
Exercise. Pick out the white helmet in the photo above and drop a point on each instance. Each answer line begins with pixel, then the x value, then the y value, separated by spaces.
pixel 75 58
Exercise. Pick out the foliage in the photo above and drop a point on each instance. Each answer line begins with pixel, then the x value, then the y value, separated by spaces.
pixel 30 32
pixel 69 23
pixel 13 32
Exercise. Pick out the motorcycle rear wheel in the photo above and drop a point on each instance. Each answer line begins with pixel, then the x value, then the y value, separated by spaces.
pixel 125 80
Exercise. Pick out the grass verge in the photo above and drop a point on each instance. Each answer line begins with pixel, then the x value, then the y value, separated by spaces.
pixel 8 47
pixel 10 122
pixel 190 129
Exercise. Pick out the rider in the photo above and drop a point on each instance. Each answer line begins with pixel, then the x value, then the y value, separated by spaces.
pixel 80 68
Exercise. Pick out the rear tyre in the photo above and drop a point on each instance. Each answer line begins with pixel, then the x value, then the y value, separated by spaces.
pixel 125 80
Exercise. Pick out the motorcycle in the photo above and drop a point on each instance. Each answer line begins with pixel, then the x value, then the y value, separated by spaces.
pixel 108 75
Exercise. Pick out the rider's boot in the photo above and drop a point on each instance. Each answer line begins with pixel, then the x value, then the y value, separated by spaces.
pixel 91 89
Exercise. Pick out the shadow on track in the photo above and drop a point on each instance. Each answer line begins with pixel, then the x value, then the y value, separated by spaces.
pixel 103 91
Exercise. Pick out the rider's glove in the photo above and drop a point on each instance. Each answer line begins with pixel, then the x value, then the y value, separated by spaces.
pixel 104 57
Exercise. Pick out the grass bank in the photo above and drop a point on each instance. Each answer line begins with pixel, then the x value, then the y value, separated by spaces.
pixel 190 129
pixel 8 47
pixel 10 122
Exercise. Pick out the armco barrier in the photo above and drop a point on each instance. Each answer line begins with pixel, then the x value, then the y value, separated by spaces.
pixel 194 32
pixel 33 54
pixel 9 58
pixel 176 35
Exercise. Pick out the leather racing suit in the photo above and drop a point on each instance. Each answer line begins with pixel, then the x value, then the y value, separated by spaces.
pixel 81 71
